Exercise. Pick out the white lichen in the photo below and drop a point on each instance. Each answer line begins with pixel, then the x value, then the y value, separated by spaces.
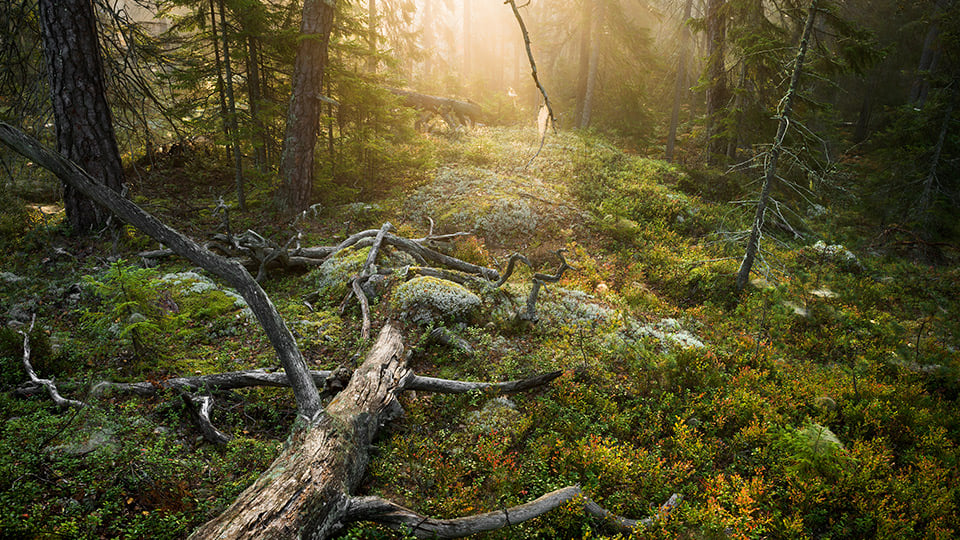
pixel 428 299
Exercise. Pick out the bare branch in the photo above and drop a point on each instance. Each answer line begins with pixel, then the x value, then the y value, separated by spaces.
pixel 397 517
pixel 444 386
pixel 46 383
pixel 200 408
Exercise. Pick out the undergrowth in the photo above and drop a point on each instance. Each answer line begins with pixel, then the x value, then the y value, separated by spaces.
pixel 819 404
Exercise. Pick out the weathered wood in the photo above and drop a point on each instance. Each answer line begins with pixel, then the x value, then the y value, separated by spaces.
pixel 46 383
pixel 403 519
pixel 454 111
pixel 305 492
pixel 304 390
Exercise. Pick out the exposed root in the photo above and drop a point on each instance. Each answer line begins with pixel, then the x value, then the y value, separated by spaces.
pixel 200 408
pixel 46 383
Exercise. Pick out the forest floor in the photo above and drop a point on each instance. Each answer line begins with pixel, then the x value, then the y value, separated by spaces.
pixel 820 403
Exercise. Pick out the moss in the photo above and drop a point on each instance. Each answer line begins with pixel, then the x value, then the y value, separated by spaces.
pixel 334 275
pixel 428 299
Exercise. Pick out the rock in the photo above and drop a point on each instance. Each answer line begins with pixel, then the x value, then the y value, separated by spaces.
pixel 99 440
pixel 22 312
pixel 428 299
pixel 825 403
pixel 498 413
pixel 10 277
pixel 836 253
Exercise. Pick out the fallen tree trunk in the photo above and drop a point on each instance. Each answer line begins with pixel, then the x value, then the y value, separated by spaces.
pixel 305 492
pixel 454 112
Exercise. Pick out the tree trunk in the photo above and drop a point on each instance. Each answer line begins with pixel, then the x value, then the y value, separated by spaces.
pixel 770 171
pixel 679 84
pixel 467 31
pixel 738 104
pixel 372 35
pixel 586 25
pixel 80 110
pixel 232 110
pixel 591 89
pixel 303 113
pixel 929 56
pixel 221 85
pixel 716 73
pixel 306 491
pixel 927 195
pixel 253 93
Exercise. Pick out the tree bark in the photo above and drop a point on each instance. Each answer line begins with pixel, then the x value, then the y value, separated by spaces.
pixel 588 96
pixel 770 171
pixel 716 73
pixel 305 492
pixel 232 110
pixel 303 113
pixel 681 78
pixel 83 120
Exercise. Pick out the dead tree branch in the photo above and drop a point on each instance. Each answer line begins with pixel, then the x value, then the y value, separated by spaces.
pixel 46 383
pixel 200 408
pixel 304 389
pixel 533 64
pixel 403 519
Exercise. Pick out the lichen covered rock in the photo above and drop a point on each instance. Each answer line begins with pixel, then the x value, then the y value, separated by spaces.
pixel 428 299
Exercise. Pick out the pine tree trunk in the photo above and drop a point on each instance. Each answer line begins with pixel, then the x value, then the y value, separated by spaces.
pixel 303 113
pixel 591 89
pixel 253 91
pixel 221 85
pixel 586 26
pixel 82 116
pixel 467 37
pixel 770 171
pixel 372 35
pixel 927 195
pixel 679 84
pixel 929 56
pixel 716 73
pixel 232 110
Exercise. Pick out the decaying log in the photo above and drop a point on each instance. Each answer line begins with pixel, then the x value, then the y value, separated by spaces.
pixel 453 111
pixel 305 492
pixel 403 519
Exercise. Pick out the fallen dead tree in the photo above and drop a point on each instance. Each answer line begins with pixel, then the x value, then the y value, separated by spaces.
pixel 309 490
pixel 454 112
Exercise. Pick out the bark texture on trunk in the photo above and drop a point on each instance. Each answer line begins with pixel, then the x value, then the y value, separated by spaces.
pixel 679 83
pixel 305 492
pixel 84 125
pixel 303 114
pixel 716 73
